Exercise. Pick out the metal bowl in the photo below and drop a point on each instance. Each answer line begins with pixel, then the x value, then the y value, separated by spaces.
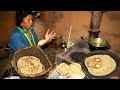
pixel 98 44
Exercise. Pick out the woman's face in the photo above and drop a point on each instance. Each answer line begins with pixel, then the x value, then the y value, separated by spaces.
pixel 27 22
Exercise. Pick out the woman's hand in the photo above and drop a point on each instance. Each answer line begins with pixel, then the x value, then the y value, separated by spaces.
pixel 49 36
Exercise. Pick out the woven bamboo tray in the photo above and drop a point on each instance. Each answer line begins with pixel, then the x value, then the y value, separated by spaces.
pixel 37 52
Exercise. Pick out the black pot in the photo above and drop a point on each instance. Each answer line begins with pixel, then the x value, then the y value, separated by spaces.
pixel 98 44
pixel 93 48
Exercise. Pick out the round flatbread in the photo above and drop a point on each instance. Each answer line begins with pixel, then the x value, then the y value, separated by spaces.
pixel 100 65
pixel 75 67
pixel 63 69
pixel 77 76
pixel 30 66
pixel 75 71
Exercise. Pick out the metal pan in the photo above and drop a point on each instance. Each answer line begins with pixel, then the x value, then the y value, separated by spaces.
pixel 116 72
pixel 97 44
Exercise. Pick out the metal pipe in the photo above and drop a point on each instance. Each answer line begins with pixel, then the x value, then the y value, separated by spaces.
pixel 95 24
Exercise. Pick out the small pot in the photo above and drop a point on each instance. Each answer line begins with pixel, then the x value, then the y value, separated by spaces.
pixel 98 44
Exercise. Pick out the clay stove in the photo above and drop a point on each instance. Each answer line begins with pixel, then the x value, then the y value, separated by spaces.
pixel 80 49
pixel 74 54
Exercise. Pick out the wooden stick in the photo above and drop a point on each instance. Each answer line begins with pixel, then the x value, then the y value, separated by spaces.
pixel 69 34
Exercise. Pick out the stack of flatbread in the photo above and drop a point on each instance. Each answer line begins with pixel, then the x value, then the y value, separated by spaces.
pixel 30 66
pixel 72 71
pixel 65 71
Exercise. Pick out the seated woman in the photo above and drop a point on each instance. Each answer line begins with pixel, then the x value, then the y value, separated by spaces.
pixel 24 36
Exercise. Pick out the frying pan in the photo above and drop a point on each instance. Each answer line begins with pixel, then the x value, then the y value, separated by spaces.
pixel 116 72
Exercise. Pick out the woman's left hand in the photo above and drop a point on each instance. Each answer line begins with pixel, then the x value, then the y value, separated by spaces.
pixel 50 36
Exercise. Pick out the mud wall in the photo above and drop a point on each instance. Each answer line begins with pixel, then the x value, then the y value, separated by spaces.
pixel 110 29
pixel 7 19
pixel 80 21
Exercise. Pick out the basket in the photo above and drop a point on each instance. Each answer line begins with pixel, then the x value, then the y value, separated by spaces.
pixel 33 51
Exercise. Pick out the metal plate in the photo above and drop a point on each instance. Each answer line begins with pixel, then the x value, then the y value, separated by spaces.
pixel 116 72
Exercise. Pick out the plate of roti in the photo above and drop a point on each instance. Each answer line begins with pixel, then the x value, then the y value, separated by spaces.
pixel 101 64
pixel 67 71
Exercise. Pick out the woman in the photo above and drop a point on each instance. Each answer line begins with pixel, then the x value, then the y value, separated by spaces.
pixel 24 35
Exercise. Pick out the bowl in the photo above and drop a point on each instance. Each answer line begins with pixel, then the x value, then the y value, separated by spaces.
pixel 98 44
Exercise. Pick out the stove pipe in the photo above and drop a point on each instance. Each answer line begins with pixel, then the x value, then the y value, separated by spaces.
pixel 95 24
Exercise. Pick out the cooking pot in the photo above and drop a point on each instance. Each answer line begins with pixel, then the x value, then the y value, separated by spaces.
pixel 98 44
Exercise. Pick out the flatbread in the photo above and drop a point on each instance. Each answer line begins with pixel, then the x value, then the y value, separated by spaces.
pixel 77 76
pixel 63 69
pixel 100 65
pixel 30 66
pixel 72 71
pixel 76 71
pixel 75 68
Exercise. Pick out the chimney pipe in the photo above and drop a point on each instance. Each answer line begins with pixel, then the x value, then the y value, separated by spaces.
pixel 95 24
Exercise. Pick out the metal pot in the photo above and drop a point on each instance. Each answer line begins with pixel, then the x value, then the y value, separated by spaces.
pixel 98 44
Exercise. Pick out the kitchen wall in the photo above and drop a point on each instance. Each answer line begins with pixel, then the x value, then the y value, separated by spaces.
pixel 80 21
pixel 7 19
